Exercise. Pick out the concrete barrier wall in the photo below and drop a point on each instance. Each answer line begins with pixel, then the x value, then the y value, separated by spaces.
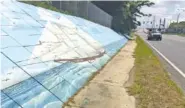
pixel 48 56
pixel 85 9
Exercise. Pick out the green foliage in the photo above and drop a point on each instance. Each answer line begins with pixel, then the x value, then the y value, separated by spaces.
pixel 124 13
pixel 177 25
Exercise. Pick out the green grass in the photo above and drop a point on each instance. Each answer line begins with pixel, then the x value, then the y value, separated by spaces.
pixel 152 85
pixel 179 34
pixel 132 34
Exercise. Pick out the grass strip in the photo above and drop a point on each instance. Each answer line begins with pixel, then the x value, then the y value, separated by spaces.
pixel 179 34
pixel 152 86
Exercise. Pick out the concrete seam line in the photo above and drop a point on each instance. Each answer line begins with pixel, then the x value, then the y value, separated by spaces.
pixel 173 65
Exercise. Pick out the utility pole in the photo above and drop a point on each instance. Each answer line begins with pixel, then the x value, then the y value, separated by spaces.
pixel 160 23
pixel 164 23
pixel 178 18
pixel 153 26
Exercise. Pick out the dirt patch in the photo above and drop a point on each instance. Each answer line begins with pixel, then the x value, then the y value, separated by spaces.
pixel 130 80
pixel 106 89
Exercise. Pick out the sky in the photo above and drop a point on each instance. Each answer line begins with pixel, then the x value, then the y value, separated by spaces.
pixel 164 9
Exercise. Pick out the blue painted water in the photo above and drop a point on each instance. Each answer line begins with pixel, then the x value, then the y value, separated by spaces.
pixel 63 81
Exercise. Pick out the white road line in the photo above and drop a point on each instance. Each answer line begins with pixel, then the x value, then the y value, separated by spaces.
pixel 175 67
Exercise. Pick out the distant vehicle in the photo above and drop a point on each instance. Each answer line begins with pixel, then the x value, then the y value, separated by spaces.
pixel 154 34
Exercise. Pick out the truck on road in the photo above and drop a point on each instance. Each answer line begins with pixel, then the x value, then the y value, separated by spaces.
pixel 154 34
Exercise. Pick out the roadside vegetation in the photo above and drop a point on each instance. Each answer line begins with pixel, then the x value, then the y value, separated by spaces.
pixel 179 34
pixel 176 29
pixel 152 86
pixel 177 25
pixel 124 13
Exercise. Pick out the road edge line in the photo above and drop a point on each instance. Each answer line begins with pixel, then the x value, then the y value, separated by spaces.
pixel 173 65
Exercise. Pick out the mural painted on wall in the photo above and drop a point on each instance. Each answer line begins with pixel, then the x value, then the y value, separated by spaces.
pixel 47 56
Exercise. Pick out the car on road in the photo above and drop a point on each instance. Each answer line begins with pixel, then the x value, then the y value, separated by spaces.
pixel 154 34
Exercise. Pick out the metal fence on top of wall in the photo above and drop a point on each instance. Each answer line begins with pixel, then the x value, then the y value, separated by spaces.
pixel 85 9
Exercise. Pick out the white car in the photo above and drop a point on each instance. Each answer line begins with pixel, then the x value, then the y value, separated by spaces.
pixel 155 34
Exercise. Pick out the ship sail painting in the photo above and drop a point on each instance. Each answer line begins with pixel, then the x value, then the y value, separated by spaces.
pixel 48 56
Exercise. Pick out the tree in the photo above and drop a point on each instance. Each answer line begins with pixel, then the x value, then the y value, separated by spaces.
pixel 177 25
pixel 124 13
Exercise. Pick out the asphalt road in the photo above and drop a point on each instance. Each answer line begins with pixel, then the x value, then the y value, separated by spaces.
pixel 173 48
